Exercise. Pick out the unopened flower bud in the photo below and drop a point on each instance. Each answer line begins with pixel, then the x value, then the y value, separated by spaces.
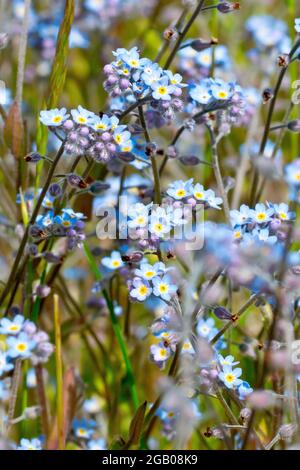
pixel 283 60
pixel 55 190
pixel 97 186
pixel 228 7
pixel 170 34
pixel 32 412
pixel 42 291
pixel 76 181
pixel 294 126
pixel 245 414
pixel 267 95
pixel 286 431
pixel 33 157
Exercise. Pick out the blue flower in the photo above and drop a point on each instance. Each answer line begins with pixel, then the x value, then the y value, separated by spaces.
pixel 241 217
pixel 113 262
pixel 83 428
pixel 54 117
pixel 244 390
pixel 11 327
pixel 297 25
pixel 206 328
pixel 21 346
pixel 227 361
pixel 97 444
pixel 5 366
pixel 30 444
pixel 141 289
pixel 180 189
pixel 162 90
pixel 163 288
pixel 261 214
pixel 83 116
pixel 230 377
pixel 221 90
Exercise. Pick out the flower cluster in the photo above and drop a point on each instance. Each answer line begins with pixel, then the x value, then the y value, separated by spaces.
pixel 101 136
pixel 132 78
pixel 224 96
pixel 193 194
pixel 68 224
pixel 262 224
pixel 23 340
pixel 151 279
pixel 230 376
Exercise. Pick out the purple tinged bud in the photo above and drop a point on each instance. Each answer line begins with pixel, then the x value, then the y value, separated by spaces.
pixel 68 125
pixel 99 146
pixel 33 157
pixel 106 137
pixel 84 131
pixel 83 142
pixel 116 92
pixel 124 84
pixel 42 291
pixel 111 80
pixel 33 249
pixel 177 92
pixel 55 190
pixel 192 202
pixel 108 69
pixel 228 7
pixel 72 137
pixel 275 224
pixel 294 126
pixel 221 313
pixel 111 147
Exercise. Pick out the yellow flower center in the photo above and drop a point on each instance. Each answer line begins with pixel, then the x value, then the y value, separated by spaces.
pixel 163 352
pixel 133 63
pixel 282 215
pixel 297 176
pixel 180 193
pixel 158 227
pixel 81 119
pixel 230 378
pixel 141 220
pixel 118 139
pixel 199 195
pixel 237 235
pixel 163 288
pixel 116 263
pixel 261 216
pixel 81 432
pixel 14 328
pixel 222 94
pixel 162 90
pixel 101 126
pixel 21 347
pixel 143 290
pixel 57 119
pixel 149 274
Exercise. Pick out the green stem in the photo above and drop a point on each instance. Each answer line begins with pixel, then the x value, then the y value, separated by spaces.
pixel 116 327
pixel 59 374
